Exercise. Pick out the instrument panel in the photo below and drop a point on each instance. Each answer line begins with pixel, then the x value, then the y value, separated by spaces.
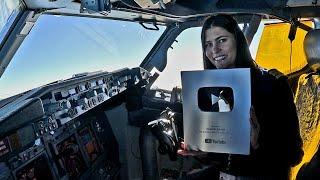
pixel 57 131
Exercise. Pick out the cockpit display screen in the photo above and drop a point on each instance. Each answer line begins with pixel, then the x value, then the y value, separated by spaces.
pixel 4 146
pixel 89 143
pixel 35 170
pixel 71 158
pixel 16 140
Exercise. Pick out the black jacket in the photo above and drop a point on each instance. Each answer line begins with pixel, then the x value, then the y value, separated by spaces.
pixel 280 144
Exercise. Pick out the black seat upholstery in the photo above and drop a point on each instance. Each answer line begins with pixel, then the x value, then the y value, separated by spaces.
pixel 308 108
pixel 312 49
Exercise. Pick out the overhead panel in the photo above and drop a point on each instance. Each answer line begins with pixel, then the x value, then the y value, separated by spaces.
pixel 152 4
pixel 46 4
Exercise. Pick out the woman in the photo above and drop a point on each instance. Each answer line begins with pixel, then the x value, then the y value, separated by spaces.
pixel 276 144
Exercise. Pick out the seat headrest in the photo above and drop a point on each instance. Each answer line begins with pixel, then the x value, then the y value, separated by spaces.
pixel 312 49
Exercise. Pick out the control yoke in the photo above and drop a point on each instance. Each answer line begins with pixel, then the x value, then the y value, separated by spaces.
pixel 164 129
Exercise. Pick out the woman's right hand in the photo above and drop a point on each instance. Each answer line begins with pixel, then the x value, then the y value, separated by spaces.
pixel 185 151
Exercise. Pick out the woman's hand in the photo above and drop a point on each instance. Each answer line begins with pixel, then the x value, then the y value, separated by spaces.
pixel 255 129
pixel 185 151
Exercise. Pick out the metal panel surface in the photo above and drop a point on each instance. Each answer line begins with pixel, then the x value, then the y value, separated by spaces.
pixel 221 132
pixel 299 3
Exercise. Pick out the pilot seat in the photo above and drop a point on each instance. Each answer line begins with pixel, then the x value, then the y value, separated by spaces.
pixel 307 101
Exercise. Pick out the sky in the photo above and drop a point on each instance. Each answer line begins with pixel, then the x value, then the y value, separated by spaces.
pixel 59 46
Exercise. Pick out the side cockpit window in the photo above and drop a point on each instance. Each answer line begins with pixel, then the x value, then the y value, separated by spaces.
pixel 8 12
pixel 185 54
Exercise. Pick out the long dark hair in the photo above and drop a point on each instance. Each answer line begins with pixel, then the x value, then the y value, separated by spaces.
pixel 243 57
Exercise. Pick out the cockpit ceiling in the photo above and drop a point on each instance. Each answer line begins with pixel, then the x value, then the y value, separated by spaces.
pixel 209 4
pixel 285 9
pixel 167 11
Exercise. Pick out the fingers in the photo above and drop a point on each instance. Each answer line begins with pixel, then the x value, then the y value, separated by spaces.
pixel 183 145
pixel 186 151
pixel 191 153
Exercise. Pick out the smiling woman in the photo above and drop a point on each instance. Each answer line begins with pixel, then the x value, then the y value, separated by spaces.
pixel 220 47
pixel 224 46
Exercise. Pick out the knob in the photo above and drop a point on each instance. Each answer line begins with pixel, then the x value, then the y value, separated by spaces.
pixel 91 94
pixel 81 88
pixel 65 104
pixel 100 90
pixel 56 106
pixel 82 102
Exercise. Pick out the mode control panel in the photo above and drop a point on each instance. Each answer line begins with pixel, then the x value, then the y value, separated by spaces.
pixel 64 103
pixel 45 126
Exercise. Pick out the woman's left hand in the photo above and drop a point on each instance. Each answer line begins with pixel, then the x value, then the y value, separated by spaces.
pixel 255 129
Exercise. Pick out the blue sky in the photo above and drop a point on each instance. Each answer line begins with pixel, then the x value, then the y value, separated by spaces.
pixel 60 46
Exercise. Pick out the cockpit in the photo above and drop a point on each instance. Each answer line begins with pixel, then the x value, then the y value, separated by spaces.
pixel 82 79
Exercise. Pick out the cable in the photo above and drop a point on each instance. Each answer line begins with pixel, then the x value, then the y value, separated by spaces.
pixel 292 36
pixel 290 55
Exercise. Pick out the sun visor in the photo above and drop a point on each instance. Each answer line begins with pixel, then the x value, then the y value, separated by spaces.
pixel 275 49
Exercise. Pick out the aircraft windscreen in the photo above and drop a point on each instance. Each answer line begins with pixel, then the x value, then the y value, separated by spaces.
pixel 60 46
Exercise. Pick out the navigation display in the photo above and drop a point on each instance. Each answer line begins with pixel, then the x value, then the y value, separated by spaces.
pixel 35 170
pixel 17 140
pixel 71 159
pixel 89 143
pixel 4 146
